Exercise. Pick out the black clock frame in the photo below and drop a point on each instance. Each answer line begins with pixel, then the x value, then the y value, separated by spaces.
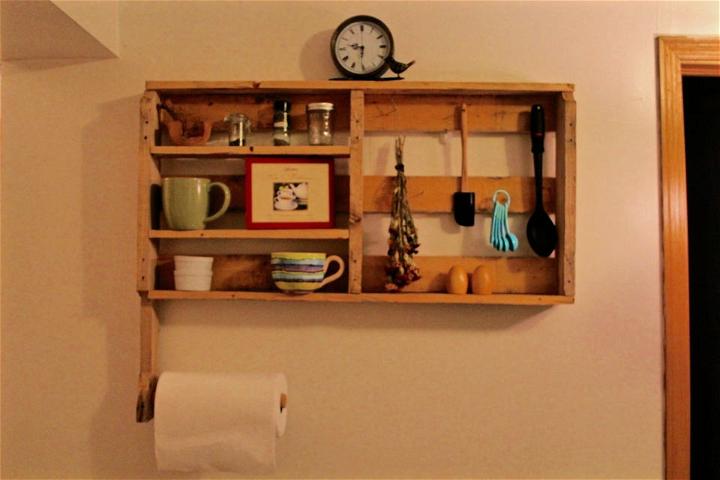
pixel 361 76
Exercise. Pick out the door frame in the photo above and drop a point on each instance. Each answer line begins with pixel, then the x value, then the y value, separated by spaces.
pixel 677 57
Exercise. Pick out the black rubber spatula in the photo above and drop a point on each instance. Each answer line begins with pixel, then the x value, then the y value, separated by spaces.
pixel 541 231
pixel 464 201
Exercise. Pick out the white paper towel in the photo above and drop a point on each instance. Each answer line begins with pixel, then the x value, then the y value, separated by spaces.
pixel 218 422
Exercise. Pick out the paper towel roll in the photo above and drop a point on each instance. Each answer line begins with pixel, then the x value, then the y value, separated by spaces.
pixel 218 422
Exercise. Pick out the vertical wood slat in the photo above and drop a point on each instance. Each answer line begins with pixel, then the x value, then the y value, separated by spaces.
pixel 149 327
pixel 149 330
pixel 565 209
pixel 355 243
pixel 148 174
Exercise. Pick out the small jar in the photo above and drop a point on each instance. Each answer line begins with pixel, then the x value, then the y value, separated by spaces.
pixel 320 123
pixel 281 122
pixel 238 129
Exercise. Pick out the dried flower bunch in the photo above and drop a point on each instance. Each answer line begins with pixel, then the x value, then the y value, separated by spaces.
pixel 403 242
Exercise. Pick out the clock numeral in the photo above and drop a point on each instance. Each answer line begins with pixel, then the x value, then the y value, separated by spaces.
pixel 378 37
pixel 353 65
pixel 382 46
pixel 345 58
pixel 342 48
pixel 380 56
pixel 351 31
pixel 361 28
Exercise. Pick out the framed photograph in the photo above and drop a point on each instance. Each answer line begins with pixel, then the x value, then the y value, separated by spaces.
pixel 289 193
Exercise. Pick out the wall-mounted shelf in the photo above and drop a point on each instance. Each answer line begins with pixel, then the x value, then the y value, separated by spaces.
pixel 360 107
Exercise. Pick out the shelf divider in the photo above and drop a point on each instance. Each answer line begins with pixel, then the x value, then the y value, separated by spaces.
pixel 355 218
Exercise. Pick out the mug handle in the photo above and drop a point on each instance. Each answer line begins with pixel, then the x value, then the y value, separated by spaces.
pixel 336 275
pixel 226 201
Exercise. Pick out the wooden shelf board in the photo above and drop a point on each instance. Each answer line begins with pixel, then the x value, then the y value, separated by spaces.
pixel 255 150
pixel 298 234
pixel 194 87
pixel 442 298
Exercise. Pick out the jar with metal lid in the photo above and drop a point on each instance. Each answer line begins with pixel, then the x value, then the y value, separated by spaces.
pixel 320 123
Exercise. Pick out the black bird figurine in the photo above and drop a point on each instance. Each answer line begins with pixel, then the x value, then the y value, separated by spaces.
pixel 398 67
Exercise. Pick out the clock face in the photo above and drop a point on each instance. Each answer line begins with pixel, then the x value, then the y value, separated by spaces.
pixel 360 46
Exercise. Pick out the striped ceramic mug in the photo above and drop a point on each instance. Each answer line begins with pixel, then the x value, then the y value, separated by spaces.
pixel 303 272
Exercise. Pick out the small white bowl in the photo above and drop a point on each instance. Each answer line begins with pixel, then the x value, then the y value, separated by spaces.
pixel 193 260
pixel 193 270
pixel 196 283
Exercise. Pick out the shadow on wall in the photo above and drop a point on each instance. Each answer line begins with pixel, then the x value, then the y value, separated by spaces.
pixel 364 316
pixel 315 60
pixel 109 208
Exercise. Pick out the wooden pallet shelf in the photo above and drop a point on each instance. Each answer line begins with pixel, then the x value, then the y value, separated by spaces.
pixel 360 108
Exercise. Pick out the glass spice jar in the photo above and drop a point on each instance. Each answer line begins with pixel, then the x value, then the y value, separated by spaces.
pixel 281 122
pixel 238 129
pixel 320 123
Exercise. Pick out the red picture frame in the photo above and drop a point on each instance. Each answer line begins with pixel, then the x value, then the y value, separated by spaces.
pixel 292 193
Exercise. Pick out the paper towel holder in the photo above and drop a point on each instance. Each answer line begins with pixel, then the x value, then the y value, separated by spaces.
pixel 145 408
pixel 148 380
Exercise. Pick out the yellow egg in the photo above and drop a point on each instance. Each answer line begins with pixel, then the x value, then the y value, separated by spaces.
pixel 457 280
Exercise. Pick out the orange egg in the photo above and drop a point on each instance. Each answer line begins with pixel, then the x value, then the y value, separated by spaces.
pixel 483 280
pixel 457 280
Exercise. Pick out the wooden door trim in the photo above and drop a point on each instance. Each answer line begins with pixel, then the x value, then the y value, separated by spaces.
pixel 678 57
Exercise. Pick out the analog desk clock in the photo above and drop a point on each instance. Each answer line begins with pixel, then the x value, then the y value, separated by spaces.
pixel 360 46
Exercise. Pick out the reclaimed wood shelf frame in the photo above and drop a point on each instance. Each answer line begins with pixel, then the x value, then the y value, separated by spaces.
pixel 360 107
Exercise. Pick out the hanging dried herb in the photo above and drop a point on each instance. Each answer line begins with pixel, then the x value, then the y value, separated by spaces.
pixel 403 242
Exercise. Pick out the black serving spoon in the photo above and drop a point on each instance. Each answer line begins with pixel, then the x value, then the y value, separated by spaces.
pixel 541 231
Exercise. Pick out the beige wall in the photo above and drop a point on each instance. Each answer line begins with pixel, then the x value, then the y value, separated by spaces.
pixel 376 390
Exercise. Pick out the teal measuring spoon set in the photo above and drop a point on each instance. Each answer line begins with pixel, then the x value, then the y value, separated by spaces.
pixel 501 238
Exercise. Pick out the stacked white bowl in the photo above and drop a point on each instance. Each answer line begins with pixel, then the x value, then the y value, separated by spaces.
pixel 193 273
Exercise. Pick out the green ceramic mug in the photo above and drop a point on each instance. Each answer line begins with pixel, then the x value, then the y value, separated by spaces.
pixel 186 201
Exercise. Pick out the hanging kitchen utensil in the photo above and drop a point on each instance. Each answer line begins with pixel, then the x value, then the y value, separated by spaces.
pixel 501 238
pixel 464 201
pixel 541 231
